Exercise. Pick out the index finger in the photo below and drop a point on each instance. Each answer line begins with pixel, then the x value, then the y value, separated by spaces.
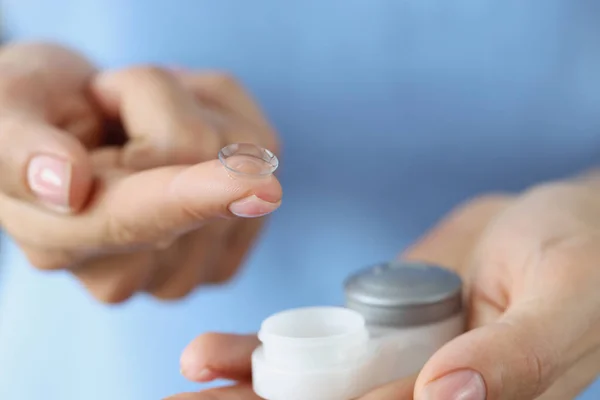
pixel 165 123
pixel 143 208
pixel 219 356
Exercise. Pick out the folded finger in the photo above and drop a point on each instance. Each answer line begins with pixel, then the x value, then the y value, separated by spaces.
pixel 183 265
pixel 226 94
pixel 163 120
pixel 222 91
pixel 113 279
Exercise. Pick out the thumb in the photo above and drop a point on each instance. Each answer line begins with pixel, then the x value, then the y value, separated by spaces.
pixel 42 165
pixel 516 357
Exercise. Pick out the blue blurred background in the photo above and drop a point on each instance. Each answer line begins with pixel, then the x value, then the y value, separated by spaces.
pixel 391 112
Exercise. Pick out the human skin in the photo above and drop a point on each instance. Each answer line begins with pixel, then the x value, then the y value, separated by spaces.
pixel 529 260
pixel 112 175
pixel 530 266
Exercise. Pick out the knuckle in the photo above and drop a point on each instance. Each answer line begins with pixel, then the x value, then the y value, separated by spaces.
pixel 224 274
pixel 147 73
pixel 205 154
pixel 115 288
pixel 46 264
pixel 564 257
pixel 223 81
pixel 196 213
pixel 118 232
pixel 171 292
pixel 546 189
pixel 46 261
pixel 549 196
pixel 169 283
pixel 538 366
pixel 221 85
pixel 194 124
pixel 114 279
pixel 195 152
pixel 536 361
pixel 199 136
pixel 473 216
pixel 112 295
pixel 487 203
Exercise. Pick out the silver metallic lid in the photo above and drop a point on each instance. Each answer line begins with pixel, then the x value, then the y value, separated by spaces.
pixel 403 294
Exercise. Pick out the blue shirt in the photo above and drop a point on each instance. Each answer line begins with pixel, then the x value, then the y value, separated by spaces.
pixel 391 112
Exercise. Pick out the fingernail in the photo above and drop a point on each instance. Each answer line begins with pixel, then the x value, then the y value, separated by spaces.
pixel 460 385
pixel 49 178
pixel 252 206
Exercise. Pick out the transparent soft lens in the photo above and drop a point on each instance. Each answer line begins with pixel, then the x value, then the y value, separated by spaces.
pixel 248 159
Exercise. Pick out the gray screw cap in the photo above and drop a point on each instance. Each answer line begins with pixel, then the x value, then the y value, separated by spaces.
pixel 402 294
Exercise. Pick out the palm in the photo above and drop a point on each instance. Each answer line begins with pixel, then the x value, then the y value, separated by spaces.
pixel 487 243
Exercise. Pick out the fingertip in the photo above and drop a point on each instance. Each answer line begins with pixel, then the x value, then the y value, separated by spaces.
pixel 60 179
pixel 500 360
pixel 190 369
pixel 200 376
pixel 43 165
pixel 193 361
pixel 461 384
pixel 457 354
pixel 212 356
pixel 210 189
